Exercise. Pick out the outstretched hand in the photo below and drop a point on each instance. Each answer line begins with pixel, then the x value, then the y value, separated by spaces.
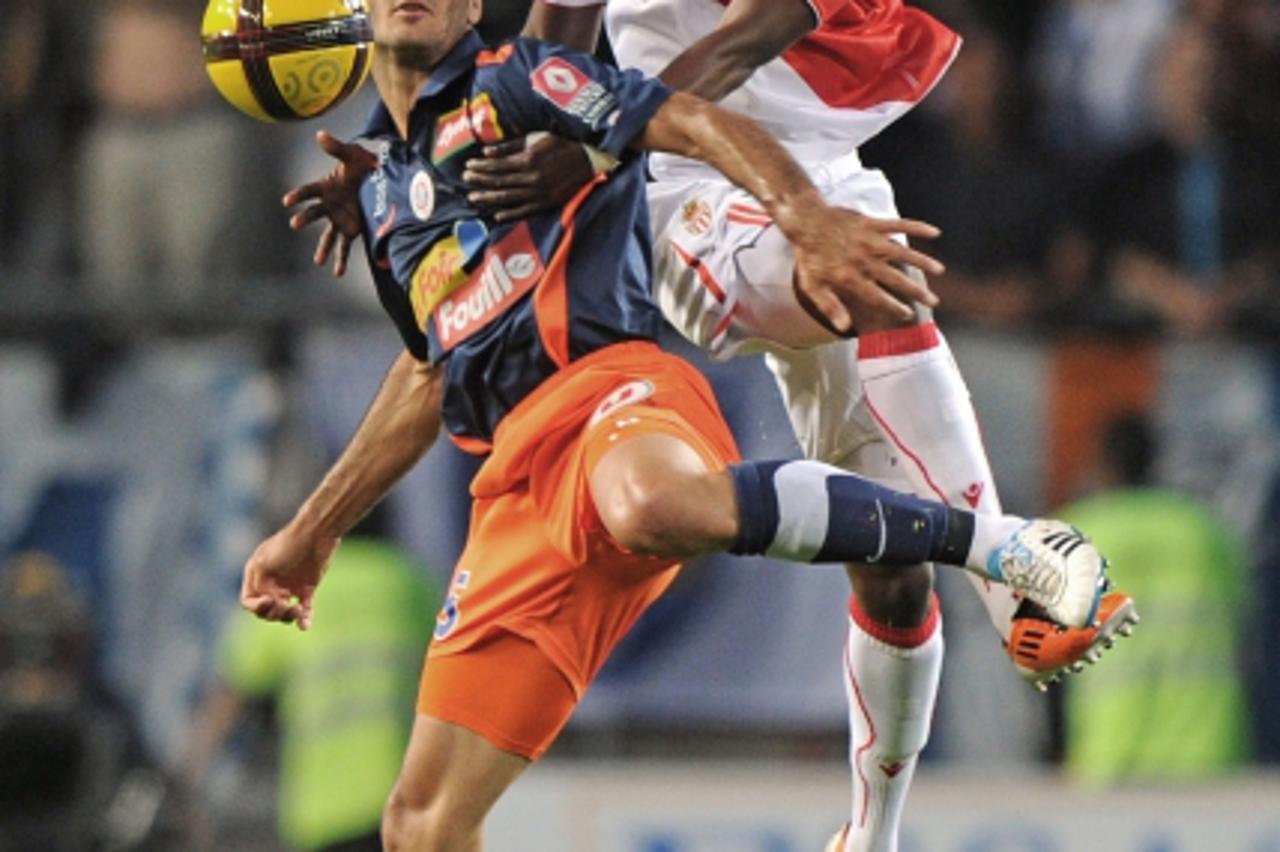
pixel 281 576
pixel 853 275
pixel 334 198
pixel 521 177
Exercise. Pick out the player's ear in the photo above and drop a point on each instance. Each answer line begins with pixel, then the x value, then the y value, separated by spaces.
pixel 475 8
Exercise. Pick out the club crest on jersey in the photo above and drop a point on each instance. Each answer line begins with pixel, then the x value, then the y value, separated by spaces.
pixel 628 394
pixel 510 268
pixel 422 195
pixel 695 216
pixel 572 91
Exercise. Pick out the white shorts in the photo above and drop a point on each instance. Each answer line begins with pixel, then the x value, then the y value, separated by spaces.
pixel 723 278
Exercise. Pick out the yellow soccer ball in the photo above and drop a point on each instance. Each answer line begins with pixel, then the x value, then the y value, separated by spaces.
pixel 286 60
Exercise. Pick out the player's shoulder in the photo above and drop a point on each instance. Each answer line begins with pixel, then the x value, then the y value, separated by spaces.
pixel 513 58
pixel 528 62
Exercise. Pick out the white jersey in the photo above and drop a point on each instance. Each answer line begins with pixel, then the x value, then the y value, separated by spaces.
pixel 867 63
pixel 723 272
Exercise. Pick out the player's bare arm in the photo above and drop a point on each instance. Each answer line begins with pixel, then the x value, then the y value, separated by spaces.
pixel 847 265
pixel 517 180
pixel 281 575
pixel 576 27
pixel 750 33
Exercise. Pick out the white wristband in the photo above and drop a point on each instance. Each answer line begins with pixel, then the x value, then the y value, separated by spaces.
pixel 601 161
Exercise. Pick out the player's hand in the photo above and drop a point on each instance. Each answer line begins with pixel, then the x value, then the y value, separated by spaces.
pixel 520 177
pixel 281 576
pixel 334 198
pixel 853 275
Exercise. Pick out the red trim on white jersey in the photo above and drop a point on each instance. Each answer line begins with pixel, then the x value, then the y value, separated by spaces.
pixel 744 214
pixel 863 53
pixel 704 275
pixel 871 52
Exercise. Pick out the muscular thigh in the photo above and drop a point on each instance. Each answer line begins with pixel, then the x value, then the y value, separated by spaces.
pixel 823 396
pixel 453 769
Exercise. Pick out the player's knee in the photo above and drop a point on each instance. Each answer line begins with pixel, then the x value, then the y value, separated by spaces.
pixel 895 595
pixel 411 825
pixel 399 820
pixel 669 513
pixel 639 516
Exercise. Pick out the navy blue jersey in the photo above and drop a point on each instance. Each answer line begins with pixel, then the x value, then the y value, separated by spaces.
pixel 505 306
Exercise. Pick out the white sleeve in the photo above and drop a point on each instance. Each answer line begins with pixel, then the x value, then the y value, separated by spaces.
pixel 578 3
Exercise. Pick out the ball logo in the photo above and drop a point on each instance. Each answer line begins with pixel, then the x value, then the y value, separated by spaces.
pixel 323 76
pixel 628 394
pixel 422 195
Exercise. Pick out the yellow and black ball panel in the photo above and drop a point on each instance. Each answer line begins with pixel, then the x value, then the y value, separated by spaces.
pixel 286 60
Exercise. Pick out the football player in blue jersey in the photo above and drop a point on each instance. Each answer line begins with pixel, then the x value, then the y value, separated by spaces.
pixel 607 460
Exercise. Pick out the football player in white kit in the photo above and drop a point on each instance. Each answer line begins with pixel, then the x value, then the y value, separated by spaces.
pixel 823 76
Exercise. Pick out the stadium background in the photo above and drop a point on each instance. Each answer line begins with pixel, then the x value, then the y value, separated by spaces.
pixel 152 430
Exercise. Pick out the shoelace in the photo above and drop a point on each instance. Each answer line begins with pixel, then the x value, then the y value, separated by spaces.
pixel 1032 574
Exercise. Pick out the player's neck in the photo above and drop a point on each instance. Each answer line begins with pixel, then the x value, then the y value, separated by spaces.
pixel 399 84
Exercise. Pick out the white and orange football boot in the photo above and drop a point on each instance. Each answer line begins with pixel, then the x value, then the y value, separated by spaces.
pixel 836 843
pixel 1043 651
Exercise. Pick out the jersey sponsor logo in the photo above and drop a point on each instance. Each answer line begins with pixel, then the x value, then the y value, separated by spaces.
pixel 572 91
pixel 453 133
pixel 438 275
pixel 696 217
pixel 510 269
pixel 472 236
pixel 447 618
pixel 628 394
pixel 422 195
pixel 380 182
pixel 385 227
pixel 470 123
pixel 484 119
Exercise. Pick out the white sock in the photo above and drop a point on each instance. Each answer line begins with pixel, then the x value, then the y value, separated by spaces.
pixel 891 681
pixel 989 532
pixel 921 403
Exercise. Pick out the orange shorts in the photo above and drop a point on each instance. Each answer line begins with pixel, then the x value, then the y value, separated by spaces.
pixel 540 578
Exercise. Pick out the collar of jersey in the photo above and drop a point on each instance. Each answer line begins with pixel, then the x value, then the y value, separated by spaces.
pixel 458 61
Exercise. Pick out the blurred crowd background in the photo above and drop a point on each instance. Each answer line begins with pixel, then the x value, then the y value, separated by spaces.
pixel 175 374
